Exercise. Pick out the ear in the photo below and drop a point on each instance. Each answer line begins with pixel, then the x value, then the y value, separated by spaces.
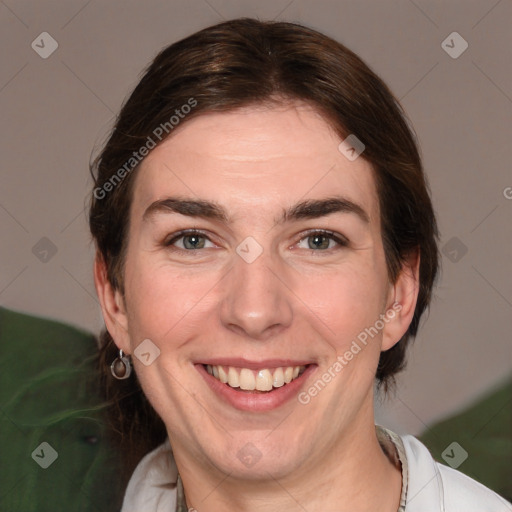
pixel 401 301
pixel 112 306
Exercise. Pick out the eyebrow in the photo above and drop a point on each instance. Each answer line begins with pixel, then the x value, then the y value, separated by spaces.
pixel 308 209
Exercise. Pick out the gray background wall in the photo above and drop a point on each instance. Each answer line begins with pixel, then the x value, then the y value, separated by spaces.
pixel 55 110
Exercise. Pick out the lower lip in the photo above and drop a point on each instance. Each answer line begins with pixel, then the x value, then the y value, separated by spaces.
pixel 257 402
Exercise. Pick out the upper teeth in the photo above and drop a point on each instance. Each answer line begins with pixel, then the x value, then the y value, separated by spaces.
pixel 250 380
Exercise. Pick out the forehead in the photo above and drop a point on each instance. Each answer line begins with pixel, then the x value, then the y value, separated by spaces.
pixel 259 157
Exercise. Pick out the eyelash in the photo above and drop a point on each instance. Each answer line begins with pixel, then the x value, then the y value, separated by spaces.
pixel 339 239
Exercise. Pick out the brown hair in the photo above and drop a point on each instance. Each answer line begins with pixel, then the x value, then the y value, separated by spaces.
pixel 235 64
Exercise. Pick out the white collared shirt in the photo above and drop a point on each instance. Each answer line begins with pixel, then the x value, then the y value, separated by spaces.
pixel 427 486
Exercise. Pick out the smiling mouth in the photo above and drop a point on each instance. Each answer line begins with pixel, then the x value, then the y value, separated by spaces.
pixel 255 381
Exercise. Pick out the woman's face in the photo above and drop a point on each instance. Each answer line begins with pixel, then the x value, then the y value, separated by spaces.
pixel 282 268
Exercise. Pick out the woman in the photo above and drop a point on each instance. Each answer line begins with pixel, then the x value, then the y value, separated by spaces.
pixel 266 247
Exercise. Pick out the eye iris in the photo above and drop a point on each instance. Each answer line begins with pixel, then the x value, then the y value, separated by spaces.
pixel 318 242
pixel 193 242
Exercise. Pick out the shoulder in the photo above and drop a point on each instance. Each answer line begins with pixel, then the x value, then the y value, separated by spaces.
pixel 435 487
pixel 461 491
pixel 152 486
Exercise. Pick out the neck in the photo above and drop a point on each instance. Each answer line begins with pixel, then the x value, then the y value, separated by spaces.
pixel 353 474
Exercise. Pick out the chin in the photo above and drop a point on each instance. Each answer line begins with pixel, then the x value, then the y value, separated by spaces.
pixel 256 456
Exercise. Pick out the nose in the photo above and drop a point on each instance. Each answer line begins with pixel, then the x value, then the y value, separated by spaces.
pixel 256 301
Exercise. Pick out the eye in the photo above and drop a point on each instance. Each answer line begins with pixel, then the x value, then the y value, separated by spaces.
pixel 318 241
pixel 322 240
pixel 188 240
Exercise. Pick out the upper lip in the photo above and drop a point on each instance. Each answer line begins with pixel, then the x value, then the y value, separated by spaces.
pixel 241 362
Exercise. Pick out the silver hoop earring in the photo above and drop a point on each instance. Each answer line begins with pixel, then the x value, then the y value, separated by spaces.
pixel 121 367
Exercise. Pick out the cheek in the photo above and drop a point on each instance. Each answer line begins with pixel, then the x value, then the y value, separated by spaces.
pixel 353 292
pixel 163 302
pixel 346 304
